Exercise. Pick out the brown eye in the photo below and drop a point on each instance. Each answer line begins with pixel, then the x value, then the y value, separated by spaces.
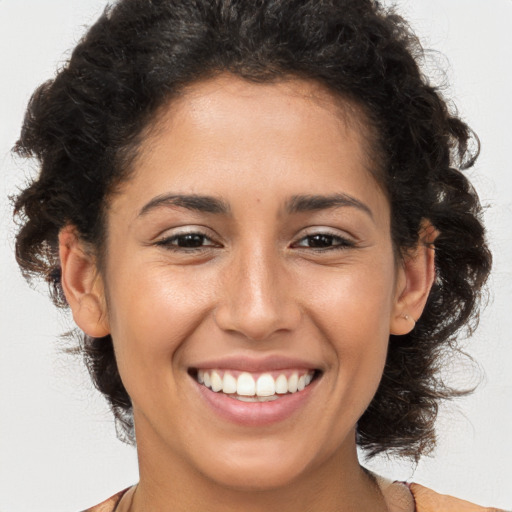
pixel 321 241
pixel 186 241
pixel 191 240
pixel 324 241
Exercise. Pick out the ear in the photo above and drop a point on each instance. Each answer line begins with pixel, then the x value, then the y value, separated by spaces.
pixel 414 281
pixel 82 284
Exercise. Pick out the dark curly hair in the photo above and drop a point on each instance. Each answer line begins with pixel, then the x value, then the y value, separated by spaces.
pixel 85 126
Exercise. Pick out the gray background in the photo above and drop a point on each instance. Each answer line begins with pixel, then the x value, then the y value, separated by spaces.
pixel 58 450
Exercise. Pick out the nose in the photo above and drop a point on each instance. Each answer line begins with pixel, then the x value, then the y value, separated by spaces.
pixel 257 295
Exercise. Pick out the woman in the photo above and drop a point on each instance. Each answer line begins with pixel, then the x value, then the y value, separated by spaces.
pixel 256 214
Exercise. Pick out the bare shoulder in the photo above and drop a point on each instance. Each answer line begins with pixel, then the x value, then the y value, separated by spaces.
pixel 428 500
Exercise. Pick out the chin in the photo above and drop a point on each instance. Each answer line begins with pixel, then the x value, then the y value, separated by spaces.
pixel 265 477
pixel 257 468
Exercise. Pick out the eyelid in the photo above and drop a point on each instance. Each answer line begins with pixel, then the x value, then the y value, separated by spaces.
pixel 347 241
pixel 185 229
pixel 169 235
pixel 344 239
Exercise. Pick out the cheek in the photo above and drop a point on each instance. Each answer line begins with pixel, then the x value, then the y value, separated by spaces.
pixel 151 315
pixel 353 311
pixel 356 300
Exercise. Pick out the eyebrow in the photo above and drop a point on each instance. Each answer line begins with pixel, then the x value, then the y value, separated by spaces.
pixel 204 204
pixel 309 203
pixel 296 204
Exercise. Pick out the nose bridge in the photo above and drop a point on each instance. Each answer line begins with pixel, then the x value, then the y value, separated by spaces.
pixel 256 301
pixel 259 278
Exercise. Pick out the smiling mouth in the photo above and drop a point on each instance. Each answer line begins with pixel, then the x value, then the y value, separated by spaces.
pixel 255 387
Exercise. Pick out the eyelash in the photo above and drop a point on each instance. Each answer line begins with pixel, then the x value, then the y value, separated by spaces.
pixel 169 242
pixel 172 242
pixel 339 242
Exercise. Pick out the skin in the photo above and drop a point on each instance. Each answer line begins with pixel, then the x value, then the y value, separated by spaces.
pixel 256 286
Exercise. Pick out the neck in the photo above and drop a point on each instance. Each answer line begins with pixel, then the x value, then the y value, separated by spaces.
pixel 338 484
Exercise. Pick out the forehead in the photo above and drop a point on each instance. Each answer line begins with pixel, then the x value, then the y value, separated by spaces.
pixel 227 91
pixel 270 109
pixel 228 134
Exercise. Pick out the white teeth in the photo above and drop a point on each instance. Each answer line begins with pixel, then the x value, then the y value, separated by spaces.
pixel 265 385
pixel 245 388
pixel 216 382
pixel 281 385
pixel 293 382
pixel 255 398
pixel 228 384
pixel 245 385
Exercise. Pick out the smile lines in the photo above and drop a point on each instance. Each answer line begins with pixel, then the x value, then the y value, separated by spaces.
pixel 247 388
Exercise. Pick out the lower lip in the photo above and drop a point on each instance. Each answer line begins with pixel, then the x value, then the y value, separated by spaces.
pixel 256 413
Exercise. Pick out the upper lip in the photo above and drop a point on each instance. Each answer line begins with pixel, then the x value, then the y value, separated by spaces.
pixel 256 364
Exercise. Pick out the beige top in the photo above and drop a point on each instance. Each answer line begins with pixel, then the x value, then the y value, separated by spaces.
pixel 399 497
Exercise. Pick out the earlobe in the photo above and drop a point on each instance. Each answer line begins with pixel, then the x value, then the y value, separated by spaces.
pixel 416 277
pixel 82 284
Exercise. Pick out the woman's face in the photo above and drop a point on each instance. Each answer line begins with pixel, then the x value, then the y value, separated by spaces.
pixel 251 251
